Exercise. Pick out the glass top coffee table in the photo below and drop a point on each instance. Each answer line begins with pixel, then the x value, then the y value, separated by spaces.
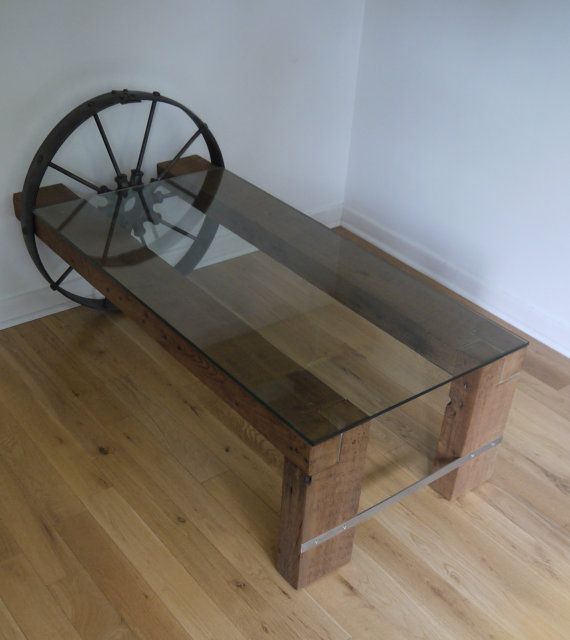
pixel 304 333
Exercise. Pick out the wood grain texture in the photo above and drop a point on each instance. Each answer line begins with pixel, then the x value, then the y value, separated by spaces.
pixel 418 316
pixel 84 387
pixel 93 393
pixel 313 503
pixel 52 194
pixel 476 414
pixel 31 604
pixel 279 434
pixel 9 630
pixel 187 164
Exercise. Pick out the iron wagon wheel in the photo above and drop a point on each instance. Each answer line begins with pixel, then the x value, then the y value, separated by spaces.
pixel 44 159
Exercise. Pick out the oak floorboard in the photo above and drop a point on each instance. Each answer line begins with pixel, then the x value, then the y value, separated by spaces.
pixel 110 451
pixel 49 501
pixel 178 415
pixel 101 441
pixel 378 603
pixel 9 630
pixel 30 603
pixel 141 607
pixel 175 587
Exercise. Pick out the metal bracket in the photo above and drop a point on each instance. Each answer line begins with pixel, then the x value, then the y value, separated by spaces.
pixel 380 506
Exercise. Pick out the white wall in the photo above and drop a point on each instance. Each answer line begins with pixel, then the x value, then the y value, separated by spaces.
pixel 460 153
pixel 274 80
pixel 460 156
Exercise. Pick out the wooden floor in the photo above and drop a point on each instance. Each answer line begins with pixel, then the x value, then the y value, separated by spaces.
pixel 130 508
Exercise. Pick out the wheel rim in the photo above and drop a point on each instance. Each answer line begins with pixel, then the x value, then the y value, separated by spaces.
pixel 54 141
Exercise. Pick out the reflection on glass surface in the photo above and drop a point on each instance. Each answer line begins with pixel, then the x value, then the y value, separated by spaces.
pixel 320 330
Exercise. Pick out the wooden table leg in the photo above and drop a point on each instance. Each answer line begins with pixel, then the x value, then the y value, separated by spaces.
pixel 312 503
pixel 476 414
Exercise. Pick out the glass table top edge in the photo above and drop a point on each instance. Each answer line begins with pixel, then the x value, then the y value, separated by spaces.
pixel 349 425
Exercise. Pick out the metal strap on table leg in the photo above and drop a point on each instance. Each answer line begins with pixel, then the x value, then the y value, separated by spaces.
pixel 380 506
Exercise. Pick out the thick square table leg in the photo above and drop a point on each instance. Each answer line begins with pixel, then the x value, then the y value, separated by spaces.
pixel 312 503
pixel 476 414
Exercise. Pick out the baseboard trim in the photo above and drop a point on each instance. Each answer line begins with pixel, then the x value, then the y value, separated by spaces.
pixel 330 216
pixel 519 313
pixel 38 303
pixel 31 305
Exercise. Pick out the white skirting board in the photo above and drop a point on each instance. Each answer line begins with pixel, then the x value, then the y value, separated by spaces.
pixel 519 313
pixel 31 305
pixel 330 216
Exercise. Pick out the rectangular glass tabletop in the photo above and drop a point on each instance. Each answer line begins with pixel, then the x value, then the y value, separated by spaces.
pixel 326 334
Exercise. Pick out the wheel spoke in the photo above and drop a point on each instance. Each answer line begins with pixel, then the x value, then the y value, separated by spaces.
pixel 179 155
pixel 145 205
pixel 147 212
pixel 140 236
pixel 73 176
pixel 184 190
pixel 107 145
pixel 62 277
pixel 161 219
pixel 146 133
pixel 177 229
pixel 72 215
pixel 118 200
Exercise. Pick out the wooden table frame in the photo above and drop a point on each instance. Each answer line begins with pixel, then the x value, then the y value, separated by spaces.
pixel 321 483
